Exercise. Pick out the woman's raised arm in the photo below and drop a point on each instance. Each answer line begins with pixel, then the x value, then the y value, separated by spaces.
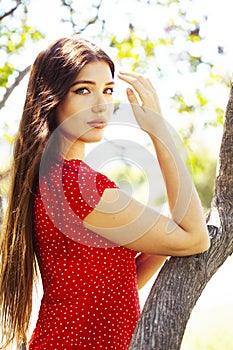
pixel 127 222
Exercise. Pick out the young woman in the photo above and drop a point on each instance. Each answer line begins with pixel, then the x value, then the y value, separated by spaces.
pixel 95 245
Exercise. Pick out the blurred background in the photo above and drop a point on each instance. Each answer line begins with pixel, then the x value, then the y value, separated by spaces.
pixel 184 46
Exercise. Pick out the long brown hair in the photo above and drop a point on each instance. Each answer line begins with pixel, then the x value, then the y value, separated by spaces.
pixel 52 74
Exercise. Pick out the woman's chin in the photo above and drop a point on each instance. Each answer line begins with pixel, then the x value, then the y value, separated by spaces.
pixel 94 136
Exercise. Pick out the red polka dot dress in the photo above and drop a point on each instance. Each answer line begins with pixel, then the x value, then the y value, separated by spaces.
pixel 90 298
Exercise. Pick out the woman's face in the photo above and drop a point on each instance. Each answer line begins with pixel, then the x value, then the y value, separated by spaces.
pixel 86 109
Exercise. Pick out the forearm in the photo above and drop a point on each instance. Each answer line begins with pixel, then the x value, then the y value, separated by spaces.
pixel 147 265
pixel 185 207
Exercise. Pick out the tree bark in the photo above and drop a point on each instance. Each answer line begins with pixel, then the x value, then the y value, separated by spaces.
pixel 181 280
pixel 1 212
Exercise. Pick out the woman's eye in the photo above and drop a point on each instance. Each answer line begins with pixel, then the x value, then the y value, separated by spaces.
pixel 109 91
pixel 82 91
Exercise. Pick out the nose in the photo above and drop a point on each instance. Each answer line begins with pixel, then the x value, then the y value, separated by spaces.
pixel 100 104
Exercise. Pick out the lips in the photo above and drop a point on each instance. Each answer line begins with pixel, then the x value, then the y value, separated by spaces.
pixel 98 123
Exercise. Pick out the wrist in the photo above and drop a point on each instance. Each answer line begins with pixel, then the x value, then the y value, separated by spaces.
pixel 159 131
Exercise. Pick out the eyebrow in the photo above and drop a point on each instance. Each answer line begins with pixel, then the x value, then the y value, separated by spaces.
pixel 90 82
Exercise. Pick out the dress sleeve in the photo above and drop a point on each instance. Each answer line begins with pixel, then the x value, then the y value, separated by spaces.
pixel 83 188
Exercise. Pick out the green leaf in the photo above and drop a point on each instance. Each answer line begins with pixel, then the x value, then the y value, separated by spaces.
pixel 9 138
pixel 5 72
pixel 202 100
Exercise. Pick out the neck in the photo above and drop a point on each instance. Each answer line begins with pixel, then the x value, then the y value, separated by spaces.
pixel 72 149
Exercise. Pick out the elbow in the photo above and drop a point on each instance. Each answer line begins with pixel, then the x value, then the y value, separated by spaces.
pixel 205 243
pixel 201 244
pixel 197 243
pixel 204 240
pixel 202 247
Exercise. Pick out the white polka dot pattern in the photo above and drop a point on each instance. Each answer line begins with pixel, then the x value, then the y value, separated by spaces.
pixel 90 296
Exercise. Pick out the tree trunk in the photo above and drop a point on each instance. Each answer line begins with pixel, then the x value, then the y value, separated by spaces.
pixel 182 280
pixel 1 212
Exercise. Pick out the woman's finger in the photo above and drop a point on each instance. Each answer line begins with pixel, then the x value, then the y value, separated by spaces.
pixel 138 85
pixel 134 77
pixel 135 105
pixel 132 97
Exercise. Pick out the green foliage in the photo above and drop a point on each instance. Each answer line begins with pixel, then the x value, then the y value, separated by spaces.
pixel 194 35
pixel 137 50
pixel 5 71
pixel 201 164
pixel 182 106
pixel 9 138
pixel 130 178
pixel 164 41
pixel 123 171
pixel 204 174
pixel 200 103
pixel 194 62
pixel 219 119
pixel 15 39
pixel 168 2
pixel 15 34
pixel 201 99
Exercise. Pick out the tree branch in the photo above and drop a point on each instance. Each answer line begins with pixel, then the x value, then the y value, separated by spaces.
pixel 13 86
pixel 94 19
pixel 10 12
pixel 91 21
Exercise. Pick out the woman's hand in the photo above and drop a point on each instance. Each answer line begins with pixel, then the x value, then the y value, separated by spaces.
pixel 146 111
